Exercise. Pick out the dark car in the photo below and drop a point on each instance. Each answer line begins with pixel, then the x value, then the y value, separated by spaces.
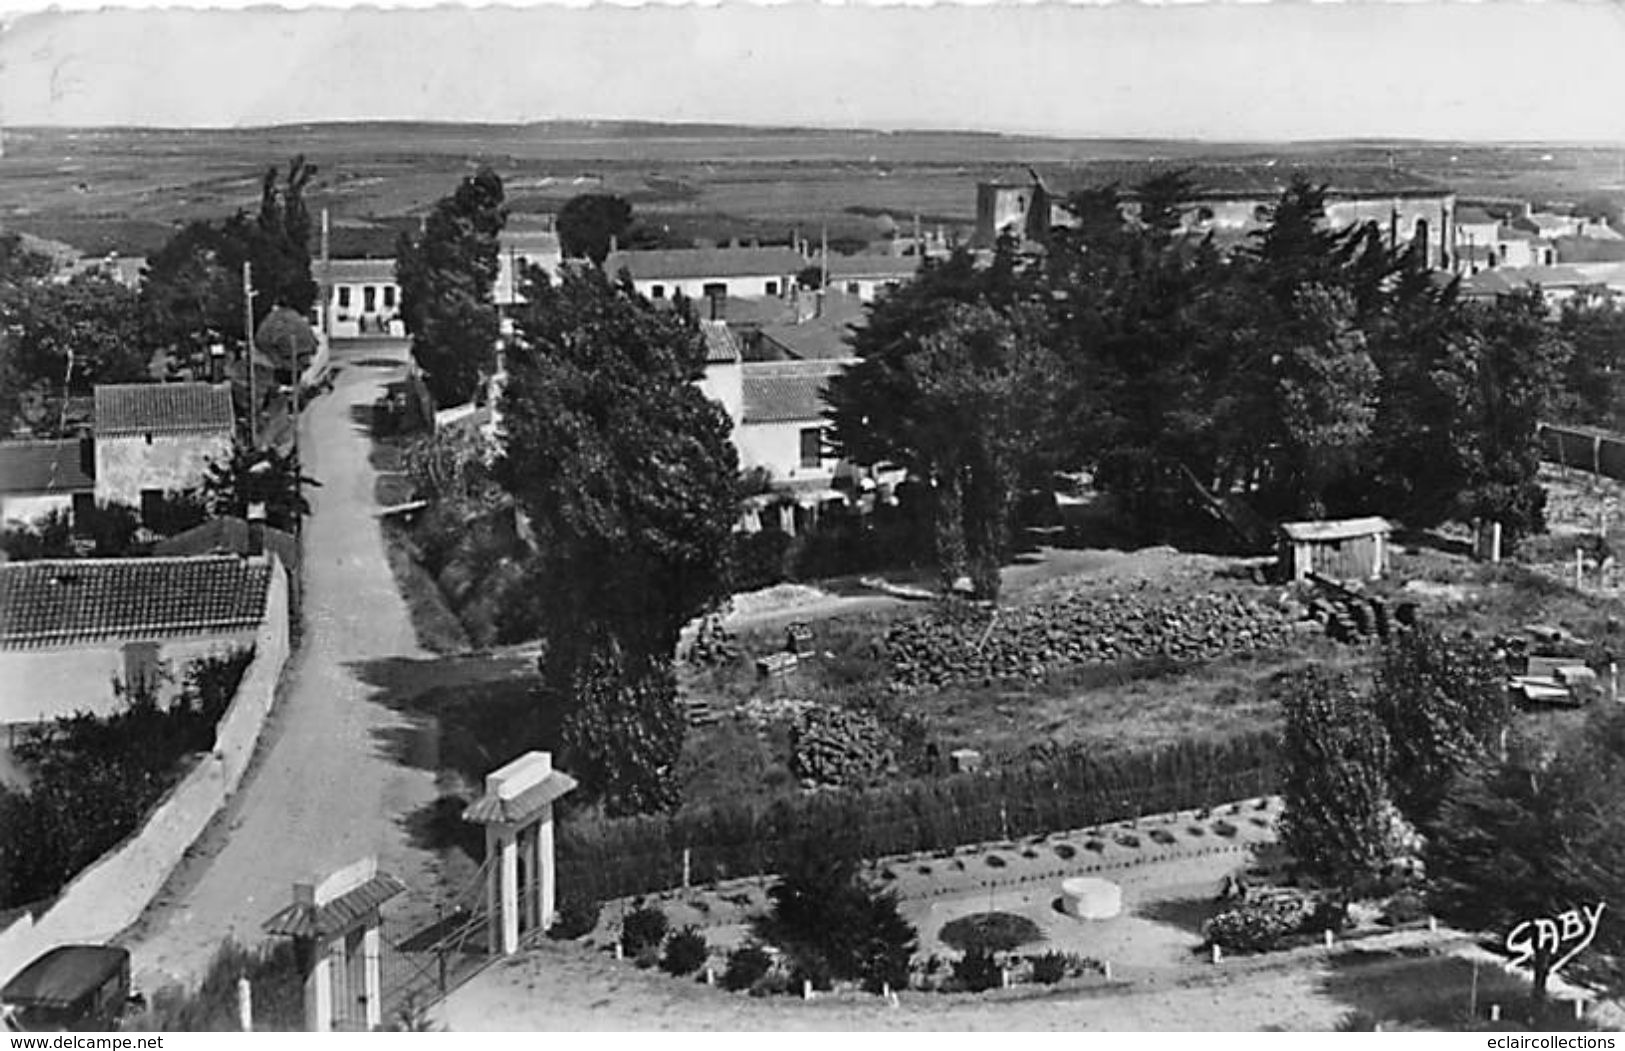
pixel 72 987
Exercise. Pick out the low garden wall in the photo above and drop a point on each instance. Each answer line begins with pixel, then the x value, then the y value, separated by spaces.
pixel 111 894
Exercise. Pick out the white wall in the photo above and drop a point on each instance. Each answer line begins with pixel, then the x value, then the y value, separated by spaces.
pixel 754 287
pixel 39 685
pixel 168 462
pixel 112 894
pixel 27 508
pixel 724 382
pixel 777 446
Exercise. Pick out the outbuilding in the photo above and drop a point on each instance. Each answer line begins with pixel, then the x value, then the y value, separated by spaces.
pixel 1345 549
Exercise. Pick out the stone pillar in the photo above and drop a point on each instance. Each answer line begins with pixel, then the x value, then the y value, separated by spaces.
pixel 372 955
pixel 493 888
pixel 319 990
pixel 546 878
pixel 507 871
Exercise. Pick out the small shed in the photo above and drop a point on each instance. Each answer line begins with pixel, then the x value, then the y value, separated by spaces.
pixel 1346 549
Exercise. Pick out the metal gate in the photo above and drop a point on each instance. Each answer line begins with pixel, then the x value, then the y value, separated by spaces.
pixel 430 947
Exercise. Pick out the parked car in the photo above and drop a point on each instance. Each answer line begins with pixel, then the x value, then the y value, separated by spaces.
pixel 72 987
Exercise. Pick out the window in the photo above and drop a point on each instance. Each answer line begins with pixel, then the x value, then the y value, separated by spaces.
pixel 853 288
pixel 771 288
pixel 657 291
pixel 389 297
pixel 151 501
pixel 812 446
pixel 715 290
pixel 369 299
pixel 344 297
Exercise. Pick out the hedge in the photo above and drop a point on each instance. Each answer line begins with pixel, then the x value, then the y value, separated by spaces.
pixel 602 859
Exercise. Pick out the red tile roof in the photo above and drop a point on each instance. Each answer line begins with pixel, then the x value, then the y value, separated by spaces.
pixel 162 408
pixel 74 601
pixel 42 467
pixel 787 391
pixel 721 345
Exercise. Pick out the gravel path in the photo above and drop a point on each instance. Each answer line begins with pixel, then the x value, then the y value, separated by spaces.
pixel 326 788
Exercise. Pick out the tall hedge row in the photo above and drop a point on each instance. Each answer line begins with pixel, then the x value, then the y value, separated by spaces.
pixel 604 859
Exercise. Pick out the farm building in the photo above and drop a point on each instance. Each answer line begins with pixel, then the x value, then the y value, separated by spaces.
pixel 156 438
pixel 68 627
pixel 519 249
pixel 39 477
pixel 363 298
pixel 1347 549
pixel 710 275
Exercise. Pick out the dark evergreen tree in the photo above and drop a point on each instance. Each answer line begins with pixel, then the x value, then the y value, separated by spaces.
pixel 590 223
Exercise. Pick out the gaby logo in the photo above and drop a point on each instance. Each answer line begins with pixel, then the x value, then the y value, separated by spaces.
pixel 1569 934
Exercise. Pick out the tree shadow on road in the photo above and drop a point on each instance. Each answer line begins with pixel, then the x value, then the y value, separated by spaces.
pixel 465 714
pixel 439 826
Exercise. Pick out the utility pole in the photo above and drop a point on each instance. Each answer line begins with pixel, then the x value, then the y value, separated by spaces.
pixel 327 284
pixel 248 344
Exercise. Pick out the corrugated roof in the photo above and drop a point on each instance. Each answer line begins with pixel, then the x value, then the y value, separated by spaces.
pixel 357 271
pixel 42 467
pixel 787 391
pixel 1340 529
pixel 492 808
pixel 706 262
pixel 343 913
pixel 71 601
pixel 721 345
pixel 162 408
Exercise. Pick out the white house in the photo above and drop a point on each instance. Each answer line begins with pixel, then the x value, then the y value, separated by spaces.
pixel 521 248
pixel 68 627
pixel 777 409
pixel 1476 239
pixel 39 477
pixel 709 274
pixel 363 297
pixel 153 438
pixel 864 276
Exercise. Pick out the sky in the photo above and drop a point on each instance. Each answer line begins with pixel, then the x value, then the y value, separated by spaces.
pixel 1504 70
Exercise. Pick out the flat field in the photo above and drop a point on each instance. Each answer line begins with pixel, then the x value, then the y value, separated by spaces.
pixel 122 189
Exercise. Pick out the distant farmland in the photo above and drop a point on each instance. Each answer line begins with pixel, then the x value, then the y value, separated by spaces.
pixel 126 189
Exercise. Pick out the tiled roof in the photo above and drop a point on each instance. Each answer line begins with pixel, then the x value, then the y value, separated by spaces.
pixel 162 408
pixel 786 391
pixel 529 240
pixel 721 345
pixel 228 535
pixel 63 602
pixel 344 913
pixel 888 267
pixel 812 340
pixel 706 262
pixel 357 271
pixel 42 467
pixel 1474 217
pixel 491 807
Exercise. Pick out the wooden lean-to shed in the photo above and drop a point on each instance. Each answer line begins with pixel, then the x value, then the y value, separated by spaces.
pixel 1347 549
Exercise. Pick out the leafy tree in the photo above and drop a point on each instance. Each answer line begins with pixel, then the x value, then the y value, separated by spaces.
pixel 259 476
pixel 446 274
pixel 588 223
pixel 628 477
pixel 1535 836
pixel 1593 324
pixel 1517 361
pixel 825 915
pixel 1443 705
pixel 280 244
pixel 953 384
pixel 1338 818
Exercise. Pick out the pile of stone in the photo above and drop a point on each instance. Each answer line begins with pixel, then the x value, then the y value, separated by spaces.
pixel 1348 615
pixel 713 645
pixel 1031 641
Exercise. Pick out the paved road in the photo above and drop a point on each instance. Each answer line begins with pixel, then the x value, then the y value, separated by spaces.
pixel 326 788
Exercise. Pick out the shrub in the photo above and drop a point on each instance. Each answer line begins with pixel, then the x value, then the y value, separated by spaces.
pixel 273 970
pixel 1128 840
pixel 810 966
pixel 995 862
pixel 1049 968
pixel 978 970
pixel 1407 906
pixel 833 924
pixel 990 932
pixel 1163 837
pixel 574 918
pixel 1263 923
pixel 1065 851
pixel 746 967
pixel 686 952
pixel 643 928
pixel 1224 828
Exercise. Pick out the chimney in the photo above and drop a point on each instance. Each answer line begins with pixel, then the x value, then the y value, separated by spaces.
pixel 217 362
pixel 256 530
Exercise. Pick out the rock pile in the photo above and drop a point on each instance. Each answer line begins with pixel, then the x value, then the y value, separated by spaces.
pixel 1031 641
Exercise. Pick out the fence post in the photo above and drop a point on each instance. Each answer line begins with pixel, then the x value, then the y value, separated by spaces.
pixel 688 857
pixel 245 1005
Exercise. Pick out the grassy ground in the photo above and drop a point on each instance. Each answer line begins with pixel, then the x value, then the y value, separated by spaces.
pixel 437 627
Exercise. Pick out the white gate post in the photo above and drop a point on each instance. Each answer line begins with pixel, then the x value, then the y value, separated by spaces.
pixel 517 812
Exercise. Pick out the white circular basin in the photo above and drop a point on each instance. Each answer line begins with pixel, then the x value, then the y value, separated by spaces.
pixel 1088 898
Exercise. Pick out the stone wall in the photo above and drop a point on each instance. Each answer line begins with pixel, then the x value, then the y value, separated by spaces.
pixel 167 462
pixel 112 894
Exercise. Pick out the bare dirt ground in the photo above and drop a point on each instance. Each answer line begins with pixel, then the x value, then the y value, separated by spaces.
pixel 327 786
